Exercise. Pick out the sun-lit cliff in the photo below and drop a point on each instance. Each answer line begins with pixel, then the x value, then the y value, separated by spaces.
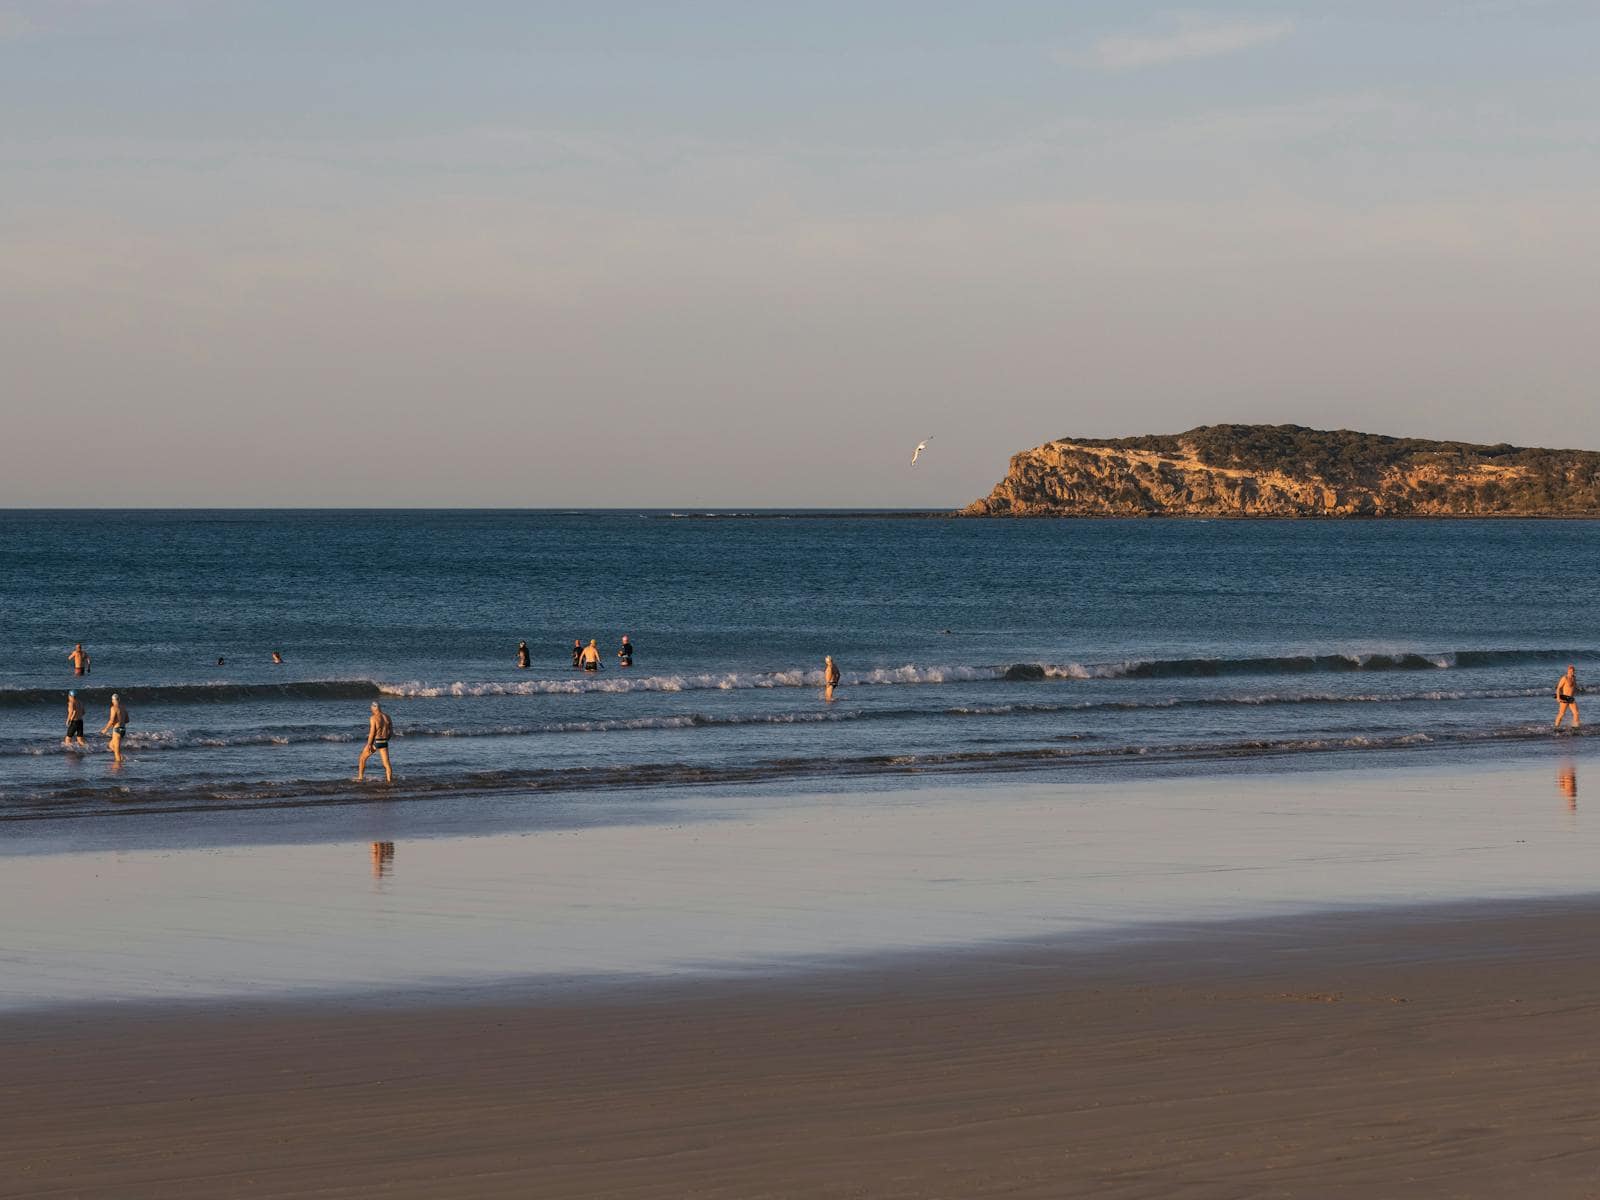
pixel 1291 471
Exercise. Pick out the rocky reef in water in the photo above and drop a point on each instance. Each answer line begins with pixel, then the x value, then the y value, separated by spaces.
pixel 1291 471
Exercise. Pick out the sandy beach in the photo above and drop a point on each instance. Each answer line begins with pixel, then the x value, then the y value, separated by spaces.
pixel 1442 1052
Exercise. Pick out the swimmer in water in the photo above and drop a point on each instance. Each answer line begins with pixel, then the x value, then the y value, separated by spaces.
pixel 1567 696
pixel 625 652
pixel 74 722
pixel 830 676
pixel 379 730
pixel 577 654
pixel 80 660
pixel 522 656
pixel 277 657
pixel 117 726
pixel 591 657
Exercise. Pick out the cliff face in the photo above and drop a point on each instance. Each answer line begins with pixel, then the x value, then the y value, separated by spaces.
pixel 1287 471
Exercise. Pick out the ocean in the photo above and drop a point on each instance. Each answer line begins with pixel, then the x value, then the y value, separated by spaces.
pixel 966 648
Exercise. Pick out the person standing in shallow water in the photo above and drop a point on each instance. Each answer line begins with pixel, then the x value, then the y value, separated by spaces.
pixel 625 652
pixel 80 660
pixel 74 722
pixel 117 726
pixel 591 657
pixel 522 656
pixel 1567 696
pixel 577 654
pixel 379 729
pixel 830 676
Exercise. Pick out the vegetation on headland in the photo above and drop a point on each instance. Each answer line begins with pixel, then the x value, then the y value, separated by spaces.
pixel 1290 470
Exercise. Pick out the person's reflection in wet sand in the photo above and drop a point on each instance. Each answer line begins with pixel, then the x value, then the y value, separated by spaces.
pixel 1567 781
pixel 382 859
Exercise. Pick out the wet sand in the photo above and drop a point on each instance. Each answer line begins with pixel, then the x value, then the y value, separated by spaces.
pixel 1421 1053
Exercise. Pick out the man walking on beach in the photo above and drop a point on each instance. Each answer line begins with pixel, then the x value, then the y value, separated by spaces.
pixel 80 660
pixel 116 725
pixel 74 722
pixel 1567 696
pixel 378 730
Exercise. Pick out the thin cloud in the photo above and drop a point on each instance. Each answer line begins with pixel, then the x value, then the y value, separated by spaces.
pixel 1192 38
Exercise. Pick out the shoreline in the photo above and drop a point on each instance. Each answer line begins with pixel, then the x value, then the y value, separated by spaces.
pixel 1327 1055
pixel 688 886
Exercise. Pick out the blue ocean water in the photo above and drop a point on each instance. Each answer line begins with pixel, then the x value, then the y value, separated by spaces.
pixel 965 646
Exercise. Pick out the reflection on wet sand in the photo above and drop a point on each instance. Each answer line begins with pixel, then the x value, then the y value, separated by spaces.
pixel 382 859
pixel 1567 781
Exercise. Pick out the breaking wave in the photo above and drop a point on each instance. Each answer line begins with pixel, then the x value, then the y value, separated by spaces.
pixel 910 674
pixel 86 800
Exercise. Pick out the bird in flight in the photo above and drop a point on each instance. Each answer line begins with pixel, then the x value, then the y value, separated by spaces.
pixel 917 453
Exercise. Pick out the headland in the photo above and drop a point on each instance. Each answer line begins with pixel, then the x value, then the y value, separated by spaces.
pixel 1291 471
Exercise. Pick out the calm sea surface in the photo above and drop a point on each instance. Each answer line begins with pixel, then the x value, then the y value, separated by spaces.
pixel 965 646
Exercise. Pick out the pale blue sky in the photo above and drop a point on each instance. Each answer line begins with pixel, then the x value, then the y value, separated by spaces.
pixel 732 254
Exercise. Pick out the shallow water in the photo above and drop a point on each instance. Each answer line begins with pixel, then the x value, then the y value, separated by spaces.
pixel 726 883
pixel 965 647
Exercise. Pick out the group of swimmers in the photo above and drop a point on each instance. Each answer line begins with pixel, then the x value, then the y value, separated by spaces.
pixel 584 658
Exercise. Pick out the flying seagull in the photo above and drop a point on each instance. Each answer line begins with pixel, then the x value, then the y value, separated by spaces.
pixel 917 453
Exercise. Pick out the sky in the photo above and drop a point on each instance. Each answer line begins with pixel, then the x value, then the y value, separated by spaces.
pixel 731 253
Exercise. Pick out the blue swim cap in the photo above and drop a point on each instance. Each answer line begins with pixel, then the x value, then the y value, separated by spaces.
pixel 72 693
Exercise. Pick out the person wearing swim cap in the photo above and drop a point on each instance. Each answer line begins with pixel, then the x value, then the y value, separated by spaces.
pixel 522 656
pixel 74 722
pixel 625 652
pixel 379 730
pixel 117 726
pixel 830 676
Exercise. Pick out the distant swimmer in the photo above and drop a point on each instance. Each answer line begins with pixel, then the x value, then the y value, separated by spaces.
pixel 80 660
pixel 625 652
pixel 522 656
pixel 830 676
pixel 117 726
pixel 277 657
pixel 1567 696
pixel 577 654
pixel 221 662
pixel 590 656
pixel 74 722
pixel 379 730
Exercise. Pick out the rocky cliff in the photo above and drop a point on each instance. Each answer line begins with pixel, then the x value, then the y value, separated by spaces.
pixel 1291 471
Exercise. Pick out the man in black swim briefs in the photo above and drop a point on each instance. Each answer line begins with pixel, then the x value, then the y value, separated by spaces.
pixel 379 729
pixel 1567 696
pixel 74 722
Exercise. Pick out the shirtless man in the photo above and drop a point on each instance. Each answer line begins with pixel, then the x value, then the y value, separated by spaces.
pixel 117 726
pixel 591 656
pixel 522 656
pixel 74 722
pixel 80 660
pixel 1567 696
pixel 830 676
pixel 378 731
